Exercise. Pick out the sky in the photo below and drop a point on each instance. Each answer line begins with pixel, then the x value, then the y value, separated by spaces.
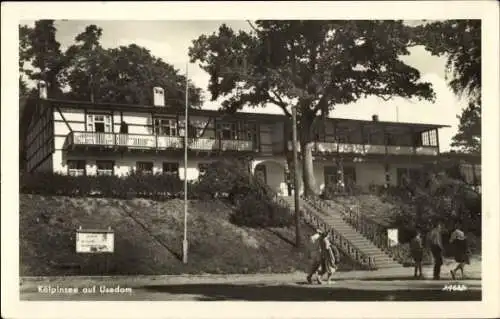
pixel 170 41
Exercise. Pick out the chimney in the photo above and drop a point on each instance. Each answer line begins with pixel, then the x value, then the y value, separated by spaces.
pixel 159 96
pixel 375 118
pixel 42 90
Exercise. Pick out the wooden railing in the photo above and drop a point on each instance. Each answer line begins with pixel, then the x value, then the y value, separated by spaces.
pixel 145 141
pixel 348 148
pixel 369 228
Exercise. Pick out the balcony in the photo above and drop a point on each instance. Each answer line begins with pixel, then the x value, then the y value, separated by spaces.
pixel 367 149
pixel 156 142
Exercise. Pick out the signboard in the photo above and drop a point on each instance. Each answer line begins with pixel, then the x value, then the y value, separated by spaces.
pixel 95 241
pixel 392 237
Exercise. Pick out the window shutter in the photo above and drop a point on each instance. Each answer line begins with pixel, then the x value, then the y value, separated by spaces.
pixel 107 124
pixel 90 123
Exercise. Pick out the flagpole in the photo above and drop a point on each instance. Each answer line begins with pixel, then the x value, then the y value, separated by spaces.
pixel 185 241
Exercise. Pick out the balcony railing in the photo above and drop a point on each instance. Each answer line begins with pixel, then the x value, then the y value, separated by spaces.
pixel 363 149
pixel 143 141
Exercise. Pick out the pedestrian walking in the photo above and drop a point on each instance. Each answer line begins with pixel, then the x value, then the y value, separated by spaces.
pixel 330 257
pixel 315 255
pixel 417 252
pixel 460 250
pixel 435 242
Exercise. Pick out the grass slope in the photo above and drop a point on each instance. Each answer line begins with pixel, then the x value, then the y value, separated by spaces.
pixel 148 238
pixel 370 205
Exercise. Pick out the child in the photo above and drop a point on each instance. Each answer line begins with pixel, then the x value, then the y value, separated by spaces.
pixel 417 252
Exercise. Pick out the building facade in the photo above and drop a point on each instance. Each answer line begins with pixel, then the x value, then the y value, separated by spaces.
pixel 83 138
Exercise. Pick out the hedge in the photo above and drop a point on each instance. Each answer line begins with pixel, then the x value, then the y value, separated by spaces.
pixel 133 185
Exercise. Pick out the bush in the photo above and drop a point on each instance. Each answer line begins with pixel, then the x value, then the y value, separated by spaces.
pixel 403 255
pixel 230 178
pixel 253 211
pixel 333 190
pixel 133 185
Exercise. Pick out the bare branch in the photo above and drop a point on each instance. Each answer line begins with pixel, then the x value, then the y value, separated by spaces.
pixel 279 102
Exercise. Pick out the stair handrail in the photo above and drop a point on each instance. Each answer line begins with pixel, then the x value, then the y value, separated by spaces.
pixel 315 221
pixel 372 230
pixel 341 241
pixel 368 227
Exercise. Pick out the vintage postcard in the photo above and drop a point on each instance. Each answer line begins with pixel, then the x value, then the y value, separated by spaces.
pixel 278 159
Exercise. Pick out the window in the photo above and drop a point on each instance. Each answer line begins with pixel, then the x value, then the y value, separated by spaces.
pixel 425 139
pixel 76 168
pixel 99 123
pixel 342 135
pixel 433 138
pixel 171 169
pixel 349 175
pixel 124 128
pixel 144 167
pixel 105 167
pixel 202 168
pixel 165 127
pixel 227 131
pixel 333 175
pixel 389 139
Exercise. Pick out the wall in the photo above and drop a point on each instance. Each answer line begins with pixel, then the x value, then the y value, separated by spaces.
pixel 38 143
pixel 275 176
pixel 138 123
pixel 74 118
pixel 123 164
pixel 370 173
pixel 45 166
pixel 393 170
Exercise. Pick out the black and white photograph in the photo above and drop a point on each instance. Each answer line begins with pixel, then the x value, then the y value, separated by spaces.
pixel 249 159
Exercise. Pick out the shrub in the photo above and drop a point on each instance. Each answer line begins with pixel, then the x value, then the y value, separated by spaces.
pixel 136 185
pixel 253 211
pixel 230 178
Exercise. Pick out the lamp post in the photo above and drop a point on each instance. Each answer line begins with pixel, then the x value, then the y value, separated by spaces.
pixel 296 176
pixel 185 241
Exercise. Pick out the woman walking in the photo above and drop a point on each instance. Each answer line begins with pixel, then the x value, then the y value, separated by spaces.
pixel 329 257
pixel 459 242
pixel 417 251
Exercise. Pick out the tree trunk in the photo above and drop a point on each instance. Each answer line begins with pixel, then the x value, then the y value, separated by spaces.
pixel 307 146
pixel 308 168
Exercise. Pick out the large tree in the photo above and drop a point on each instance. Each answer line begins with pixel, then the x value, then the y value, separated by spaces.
pixel 468 137
pixel 310 65
pixel 39 47
pixel 24 57
pixel 460 42
pixel 85 63
pixel 87 71
pixel 126 74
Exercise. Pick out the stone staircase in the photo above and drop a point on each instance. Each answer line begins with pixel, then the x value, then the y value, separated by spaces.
pixel 345 236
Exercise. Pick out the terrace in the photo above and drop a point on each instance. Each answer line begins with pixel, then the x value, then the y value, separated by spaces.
pixel 156 142
pixel 343 136
pixel 369 149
